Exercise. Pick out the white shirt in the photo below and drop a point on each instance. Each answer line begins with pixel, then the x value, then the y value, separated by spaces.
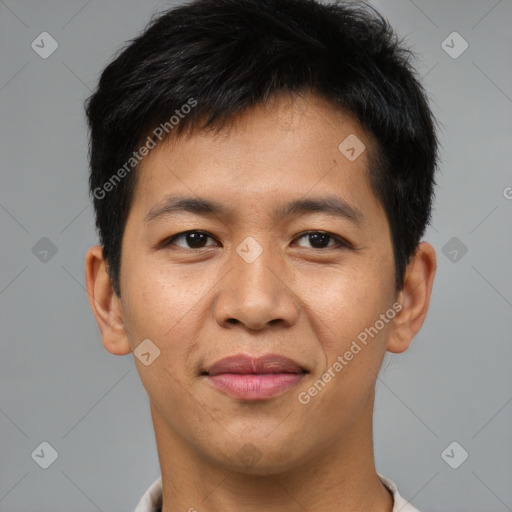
pixel 151 501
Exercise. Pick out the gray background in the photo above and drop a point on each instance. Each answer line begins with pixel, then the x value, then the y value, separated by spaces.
pixel 59 385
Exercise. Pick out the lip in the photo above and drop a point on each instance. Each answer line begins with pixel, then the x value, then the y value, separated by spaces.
pixel 255 378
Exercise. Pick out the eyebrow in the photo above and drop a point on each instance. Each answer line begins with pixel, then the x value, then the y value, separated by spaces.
pixel 330 205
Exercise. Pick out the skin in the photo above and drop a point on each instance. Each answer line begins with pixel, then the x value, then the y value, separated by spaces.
pixel 200 305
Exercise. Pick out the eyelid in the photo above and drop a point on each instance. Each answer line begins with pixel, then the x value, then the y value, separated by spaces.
pixel 340 241
pixel 169 240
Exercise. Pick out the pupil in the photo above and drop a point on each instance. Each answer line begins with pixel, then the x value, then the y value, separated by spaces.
pixel 319 240
pixel 196 239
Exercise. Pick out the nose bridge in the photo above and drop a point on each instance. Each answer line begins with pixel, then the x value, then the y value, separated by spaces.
pixel 254 292
pixel 255 265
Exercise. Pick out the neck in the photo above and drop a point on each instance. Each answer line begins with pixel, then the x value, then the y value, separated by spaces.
pixel 340 477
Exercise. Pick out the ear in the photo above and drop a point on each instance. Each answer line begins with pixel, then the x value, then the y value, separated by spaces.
pixel 105 304
pixel 414 298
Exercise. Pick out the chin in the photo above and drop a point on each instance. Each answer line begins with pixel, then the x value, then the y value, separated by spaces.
pixel 260 457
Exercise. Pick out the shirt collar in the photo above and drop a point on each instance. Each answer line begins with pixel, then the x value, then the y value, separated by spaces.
pixel 151 501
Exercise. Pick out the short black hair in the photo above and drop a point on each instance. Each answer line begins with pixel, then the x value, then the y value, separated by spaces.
pixel 219 58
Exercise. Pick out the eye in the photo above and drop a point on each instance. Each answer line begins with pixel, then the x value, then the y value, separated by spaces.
pixel 322 240
pixel 194 239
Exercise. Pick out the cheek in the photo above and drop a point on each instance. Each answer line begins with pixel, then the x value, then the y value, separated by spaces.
pixel 362 326
pixel 156 305
pixel 349 307
pixel 349 301
pixel 158 308
pixel 158 293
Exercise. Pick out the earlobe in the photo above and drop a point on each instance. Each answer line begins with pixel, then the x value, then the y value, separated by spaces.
pixel 104 303
pixel 414 298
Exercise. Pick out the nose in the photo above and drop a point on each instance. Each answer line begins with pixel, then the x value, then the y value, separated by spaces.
pixel 256 294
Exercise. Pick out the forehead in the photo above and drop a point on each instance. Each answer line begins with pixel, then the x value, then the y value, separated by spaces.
pixel 291 147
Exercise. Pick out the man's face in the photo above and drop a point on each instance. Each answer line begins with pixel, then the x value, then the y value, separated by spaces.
pixel 254 283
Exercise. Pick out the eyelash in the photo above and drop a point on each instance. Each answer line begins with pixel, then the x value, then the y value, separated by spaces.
pixel 340 242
